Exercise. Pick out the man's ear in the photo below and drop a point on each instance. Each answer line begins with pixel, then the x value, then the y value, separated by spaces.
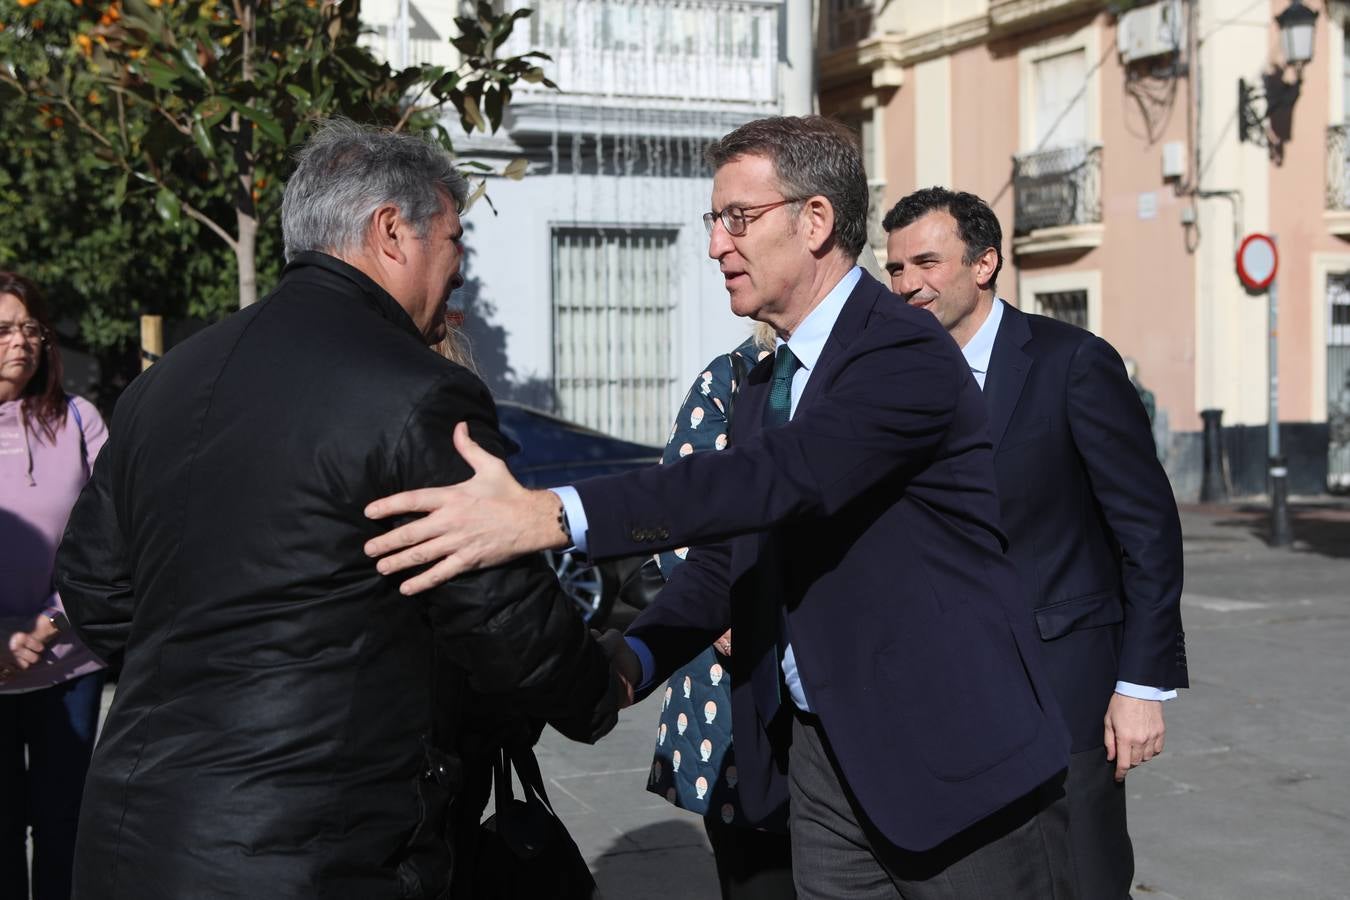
pixel 388 234
pixel 819 222
pixel 984 267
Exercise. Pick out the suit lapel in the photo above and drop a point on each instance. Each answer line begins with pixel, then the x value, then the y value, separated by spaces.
pixel 1008 368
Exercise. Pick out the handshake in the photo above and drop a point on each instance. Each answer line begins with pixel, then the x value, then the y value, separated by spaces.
pixel 624 666
pixel 625 674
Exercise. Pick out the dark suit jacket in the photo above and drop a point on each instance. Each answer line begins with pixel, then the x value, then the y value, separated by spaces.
pixel 1089 512
pixel 913 642
pixel 286 723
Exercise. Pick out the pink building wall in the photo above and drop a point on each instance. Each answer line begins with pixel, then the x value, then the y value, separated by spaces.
pixel 1147 275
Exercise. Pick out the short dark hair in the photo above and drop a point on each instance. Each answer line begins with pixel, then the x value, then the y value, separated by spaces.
pixel 976 224
pixel 811 156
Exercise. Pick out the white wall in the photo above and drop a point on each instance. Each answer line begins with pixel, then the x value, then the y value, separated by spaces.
pixel 512 258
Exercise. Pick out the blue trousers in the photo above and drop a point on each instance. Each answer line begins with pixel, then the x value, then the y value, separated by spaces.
pixel 46 738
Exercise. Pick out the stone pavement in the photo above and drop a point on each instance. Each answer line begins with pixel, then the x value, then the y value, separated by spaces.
pixel 1250 801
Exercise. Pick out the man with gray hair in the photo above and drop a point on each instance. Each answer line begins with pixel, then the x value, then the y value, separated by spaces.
pixel 287 724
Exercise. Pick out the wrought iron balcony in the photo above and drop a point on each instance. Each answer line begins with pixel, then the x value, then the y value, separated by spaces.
pixel 1338 166
pixel 1054 188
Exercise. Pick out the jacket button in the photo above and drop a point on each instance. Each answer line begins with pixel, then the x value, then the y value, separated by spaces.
pixel 663 534
pixel 635 534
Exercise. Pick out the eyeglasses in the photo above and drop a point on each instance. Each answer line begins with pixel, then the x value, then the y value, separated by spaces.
pixel 735 220
pixel 32 332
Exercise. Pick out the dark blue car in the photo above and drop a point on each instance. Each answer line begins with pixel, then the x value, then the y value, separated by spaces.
pixel 554 452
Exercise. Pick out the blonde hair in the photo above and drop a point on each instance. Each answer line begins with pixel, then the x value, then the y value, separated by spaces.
pixel 765 337
pixel 455 346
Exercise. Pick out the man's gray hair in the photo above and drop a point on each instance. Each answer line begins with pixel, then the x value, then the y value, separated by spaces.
pixel 811 156
pixel 345 172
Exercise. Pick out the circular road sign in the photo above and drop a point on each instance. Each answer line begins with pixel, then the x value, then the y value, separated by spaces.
pixel 1257 261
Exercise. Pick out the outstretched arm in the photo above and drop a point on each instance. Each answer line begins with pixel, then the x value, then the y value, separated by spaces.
pixel 511 628
pixel 887 411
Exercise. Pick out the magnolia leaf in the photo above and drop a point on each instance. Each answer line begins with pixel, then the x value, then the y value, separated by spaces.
pixel 211 110
pixel 168 207
pixel 515 169
pixel 266 124
pixel 472 114
pixel 478 192
pixel 202 137
pixel 158 73
pixel 190 60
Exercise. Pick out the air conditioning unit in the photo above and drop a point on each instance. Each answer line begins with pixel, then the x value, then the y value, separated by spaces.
pixel 1158 29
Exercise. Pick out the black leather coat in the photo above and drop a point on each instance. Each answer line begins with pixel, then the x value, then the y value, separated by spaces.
pixel 286 723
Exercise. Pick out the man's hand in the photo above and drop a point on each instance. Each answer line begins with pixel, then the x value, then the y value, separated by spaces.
pixel 623 660
pixel 1134 732
pixel 485 521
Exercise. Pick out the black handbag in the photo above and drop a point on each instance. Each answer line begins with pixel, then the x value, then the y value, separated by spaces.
pixel 524 850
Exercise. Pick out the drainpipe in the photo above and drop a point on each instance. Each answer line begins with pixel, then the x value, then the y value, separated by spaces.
pixel 797 68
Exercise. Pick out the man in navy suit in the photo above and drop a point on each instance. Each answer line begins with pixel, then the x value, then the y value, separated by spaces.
pixel 1088 512
pixel 886 678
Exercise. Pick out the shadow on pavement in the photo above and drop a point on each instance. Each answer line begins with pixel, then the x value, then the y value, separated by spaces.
pixel 664 859
pixel 1321 527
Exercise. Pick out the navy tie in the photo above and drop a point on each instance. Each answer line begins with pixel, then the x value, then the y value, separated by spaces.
pixel 779 410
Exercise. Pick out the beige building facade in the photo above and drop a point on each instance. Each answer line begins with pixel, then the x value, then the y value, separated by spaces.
pixel 1110 141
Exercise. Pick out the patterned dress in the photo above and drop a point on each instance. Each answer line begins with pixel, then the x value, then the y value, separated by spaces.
pixel 694 767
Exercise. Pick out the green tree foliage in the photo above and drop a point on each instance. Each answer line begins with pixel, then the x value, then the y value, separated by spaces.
pixel 146 140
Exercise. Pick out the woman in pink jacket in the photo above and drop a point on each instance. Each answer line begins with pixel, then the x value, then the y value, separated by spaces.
pixel 50 685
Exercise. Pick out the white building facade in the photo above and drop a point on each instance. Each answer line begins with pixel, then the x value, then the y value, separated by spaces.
pixel 590 290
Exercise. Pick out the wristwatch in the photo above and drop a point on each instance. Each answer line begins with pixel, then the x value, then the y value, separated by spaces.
pixel 57 618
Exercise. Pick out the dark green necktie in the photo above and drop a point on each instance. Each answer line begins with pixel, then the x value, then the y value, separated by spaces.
pixel 768 616
pixel 779 410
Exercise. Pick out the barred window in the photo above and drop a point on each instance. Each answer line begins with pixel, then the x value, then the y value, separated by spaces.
pixel 613 323
pixel 1067 306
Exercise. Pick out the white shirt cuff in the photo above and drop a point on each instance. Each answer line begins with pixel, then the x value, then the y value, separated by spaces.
pixel 1143 692
pixel 576 515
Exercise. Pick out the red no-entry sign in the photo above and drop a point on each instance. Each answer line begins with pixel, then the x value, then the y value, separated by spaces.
pixel 1257 261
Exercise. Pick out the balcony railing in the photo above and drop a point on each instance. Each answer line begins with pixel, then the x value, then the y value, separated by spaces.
pixel 716 53
pixel 1338 166
pixel 1054 188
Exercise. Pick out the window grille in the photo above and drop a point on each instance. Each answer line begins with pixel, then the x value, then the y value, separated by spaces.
pixel 1067 306
pixel 613 325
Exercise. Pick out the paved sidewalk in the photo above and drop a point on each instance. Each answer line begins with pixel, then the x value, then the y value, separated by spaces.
pixel 1250 800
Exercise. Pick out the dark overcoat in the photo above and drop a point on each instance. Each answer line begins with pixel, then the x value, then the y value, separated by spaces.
pixel 286 724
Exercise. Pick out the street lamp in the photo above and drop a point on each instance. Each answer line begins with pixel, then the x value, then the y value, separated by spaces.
pixel 1296 33
pixel 1257 103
